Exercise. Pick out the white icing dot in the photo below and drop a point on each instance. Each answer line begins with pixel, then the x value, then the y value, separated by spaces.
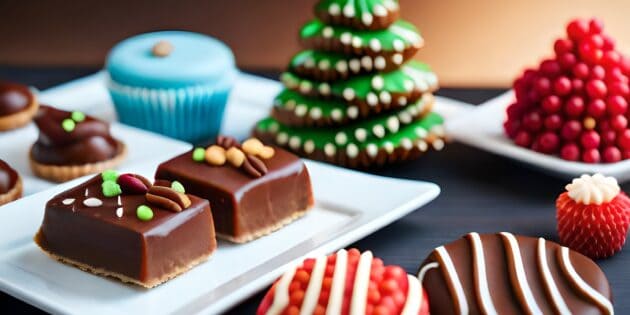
pixel 355 65
pixel 423 85
pixel 404 117
pixel 413 110
pixel 372 99
pixel 341 138
pixel 402 101
pixel 290 104
pixel 357 42
pixel 324 89
pixel 86 192
pixel 390 5
pixel 378 82
pixel 366 62
pixel 68 201
pixel 421 133
pixel 336 114
pixel 324 64
pixel 342 66
pixel 352 150
pixel 330 149
pixel 360 134
pixel 301 110
pixel 346 38
pixel 379 63
pixel 399 45
pixel 375 45
pixel 385 97
pixel 348 94
pixel 353 112
pixel 309 146
pixel 92 202
pixel 379 10
pixel 406 143
pixel 438 144
pixel 309 63
pixel 327 32
pixel 273 127
pixel 305 87
pixel 422 146
pixel 408 84
pixel 378 131
pixel 389 147
pixel 316 113
pixel 348 10
pixel 282 138
pixel 393 124
pixel 438 130
pixel 295 142
pixel 372 150
pixel 119 212
pixel 367 18
pixel 397 58
pixel 334 9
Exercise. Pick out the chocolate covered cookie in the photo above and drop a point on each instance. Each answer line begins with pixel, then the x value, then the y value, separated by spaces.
pixel 510 274
pixel 18 105
pixel 10 184
pixel 358 14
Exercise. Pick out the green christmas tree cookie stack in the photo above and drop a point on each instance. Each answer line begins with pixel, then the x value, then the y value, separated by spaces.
pixel 354 97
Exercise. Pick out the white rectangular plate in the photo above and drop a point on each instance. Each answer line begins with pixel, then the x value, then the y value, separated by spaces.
pixel 349 206
pixel 482 127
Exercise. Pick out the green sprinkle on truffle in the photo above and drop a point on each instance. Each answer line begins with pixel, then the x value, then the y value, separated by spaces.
pixel 77 116
pixel 111 189
pixel 144 213
pixel 199 155
pixel 109 175
pixel 178 187
pixel 68 125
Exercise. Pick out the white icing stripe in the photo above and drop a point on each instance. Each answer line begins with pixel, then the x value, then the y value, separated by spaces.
pixel 580 283
pixel 453 279
pixel 521 277
pixel 549 282
pixel 311 296
pixel 281 293
pixel 338 285
pixel 426 268
pixel 361 282
pixel 409 35
pixel 487 306
pixel 414 297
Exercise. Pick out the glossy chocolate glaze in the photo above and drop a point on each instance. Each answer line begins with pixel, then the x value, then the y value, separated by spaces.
pixel 14 98
pixel 506 296
pixel 242 205
pixel 142 250
pixel 8 177
pixel 89 142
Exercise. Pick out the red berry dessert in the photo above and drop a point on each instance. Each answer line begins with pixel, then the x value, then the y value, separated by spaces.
pixel 593 216
pixel 575 105
pixel 346 282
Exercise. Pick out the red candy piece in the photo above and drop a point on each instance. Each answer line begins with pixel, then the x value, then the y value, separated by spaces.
pixel 132 185
pixel 575 105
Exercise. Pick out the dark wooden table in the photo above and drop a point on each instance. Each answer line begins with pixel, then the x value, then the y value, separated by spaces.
pixel 480 192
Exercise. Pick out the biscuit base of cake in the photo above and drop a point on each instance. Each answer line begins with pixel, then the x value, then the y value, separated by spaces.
pixel 263 232
pixel 109 274
pixel 13 194
pixel 19 119
pixel 63 173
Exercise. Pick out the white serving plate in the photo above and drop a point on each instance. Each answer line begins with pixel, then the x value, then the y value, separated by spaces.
pixel 482 127
pixel 349 206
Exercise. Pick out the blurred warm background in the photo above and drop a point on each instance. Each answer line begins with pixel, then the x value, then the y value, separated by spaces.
pixel 469 43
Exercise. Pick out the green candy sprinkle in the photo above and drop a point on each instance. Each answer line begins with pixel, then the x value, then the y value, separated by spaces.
pixel 199 155
pixel 78 116
pixel 178 187
pixel 109 175
pixel 111 189
pixel 144 213
pixel 68 125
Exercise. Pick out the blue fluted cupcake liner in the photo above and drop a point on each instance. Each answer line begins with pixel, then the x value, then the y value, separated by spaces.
pixel 192 114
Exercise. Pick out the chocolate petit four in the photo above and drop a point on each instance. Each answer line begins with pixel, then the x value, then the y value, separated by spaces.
pixel 253 189
pixel 347 282
pixel 10 184
pixel 507 274
pixel 126 228
pixel 18 105
pixel 72 144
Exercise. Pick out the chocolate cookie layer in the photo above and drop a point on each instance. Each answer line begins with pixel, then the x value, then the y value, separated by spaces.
pixel 14 98
pixel 507 274
pixel 330 66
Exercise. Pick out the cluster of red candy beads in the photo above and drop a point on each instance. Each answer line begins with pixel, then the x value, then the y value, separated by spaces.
pixel 576 104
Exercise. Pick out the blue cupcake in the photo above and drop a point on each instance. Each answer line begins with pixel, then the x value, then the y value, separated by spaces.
pixel 174 83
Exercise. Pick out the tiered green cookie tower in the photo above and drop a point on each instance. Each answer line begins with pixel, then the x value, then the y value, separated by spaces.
pixel 354 97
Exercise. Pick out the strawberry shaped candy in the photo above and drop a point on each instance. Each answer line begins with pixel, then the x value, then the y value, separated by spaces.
pixel 346 282
pixel 575 105
pixel 593 216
